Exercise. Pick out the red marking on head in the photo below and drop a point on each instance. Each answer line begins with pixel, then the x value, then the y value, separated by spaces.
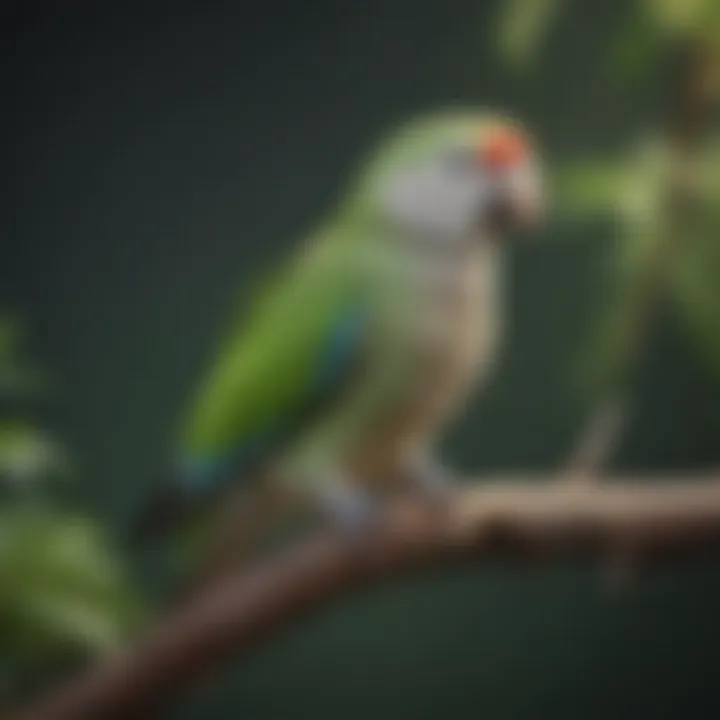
pixel 503 148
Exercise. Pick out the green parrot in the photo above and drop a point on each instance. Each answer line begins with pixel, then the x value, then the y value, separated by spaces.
pixel 338 381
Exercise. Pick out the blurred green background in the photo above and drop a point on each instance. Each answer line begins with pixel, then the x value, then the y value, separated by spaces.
pixel 157 156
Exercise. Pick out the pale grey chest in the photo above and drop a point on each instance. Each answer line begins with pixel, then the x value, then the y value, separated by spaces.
pixel 441 332
pixel 447 307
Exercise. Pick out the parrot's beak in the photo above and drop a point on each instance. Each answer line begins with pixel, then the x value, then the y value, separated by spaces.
pixel 528 211
pixel 511 215
pixel 516 207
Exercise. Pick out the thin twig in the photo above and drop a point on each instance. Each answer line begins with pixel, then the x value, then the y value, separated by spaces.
pixel 689 111
pixel 597 441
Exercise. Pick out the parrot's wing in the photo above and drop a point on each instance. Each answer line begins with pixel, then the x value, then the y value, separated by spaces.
pixel 295 352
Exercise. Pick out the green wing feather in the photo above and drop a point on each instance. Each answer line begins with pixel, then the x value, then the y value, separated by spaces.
pixel 264 370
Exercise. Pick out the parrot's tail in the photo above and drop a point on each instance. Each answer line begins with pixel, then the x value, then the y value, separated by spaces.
pixel 170 507
pixel 257 517
pixel 257 514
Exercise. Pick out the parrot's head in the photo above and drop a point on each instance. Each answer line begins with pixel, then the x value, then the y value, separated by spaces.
pixel 457 175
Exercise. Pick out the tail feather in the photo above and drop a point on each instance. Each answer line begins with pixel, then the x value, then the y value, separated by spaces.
pixel 170 507
pixel 253 518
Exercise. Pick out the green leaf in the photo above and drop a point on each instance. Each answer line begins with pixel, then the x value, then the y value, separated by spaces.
pixel 629 189
pixel 635 50
pixel 678 17
pixel 522 27
pixel 28 455
pixel 695 289
pixel 62 589
pixel 587 189
pixel 637 262
pixel 706 168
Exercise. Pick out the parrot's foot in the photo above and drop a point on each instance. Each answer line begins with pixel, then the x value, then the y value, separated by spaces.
pixel 434 483
pixel 351 511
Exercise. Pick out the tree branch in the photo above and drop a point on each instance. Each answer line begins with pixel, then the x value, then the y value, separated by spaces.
pixel 518 517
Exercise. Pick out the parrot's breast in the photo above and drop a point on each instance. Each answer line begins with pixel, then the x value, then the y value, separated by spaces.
pixel 455 327
pixel 441 333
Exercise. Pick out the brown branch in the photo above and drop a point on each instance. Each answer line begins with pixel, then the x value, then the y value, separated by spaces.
pixel 517 517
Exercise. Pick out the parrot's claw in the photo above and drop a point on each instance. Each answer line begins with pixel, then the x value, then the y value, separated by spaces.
pixel 351 510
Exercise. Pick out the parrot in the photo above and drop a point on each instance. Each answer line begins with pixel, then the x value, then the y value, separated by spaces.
pixel 337 382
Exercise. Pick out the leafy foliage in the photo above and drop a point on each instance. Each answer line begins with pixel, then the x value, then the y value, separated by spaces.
pixel 681 17
pixel 63 590
pixel 694 285
pixel 683 255
pixel 523 26
pixel 29 455
pixel 648 28
pixel 661 254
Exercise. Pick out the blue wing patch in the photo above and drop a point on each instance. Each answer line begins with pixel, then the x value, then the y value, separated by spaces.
pixel 342 350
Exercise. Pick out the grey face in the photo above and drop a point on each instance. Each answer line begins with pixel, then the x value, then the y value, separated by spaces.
pixel 453 196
